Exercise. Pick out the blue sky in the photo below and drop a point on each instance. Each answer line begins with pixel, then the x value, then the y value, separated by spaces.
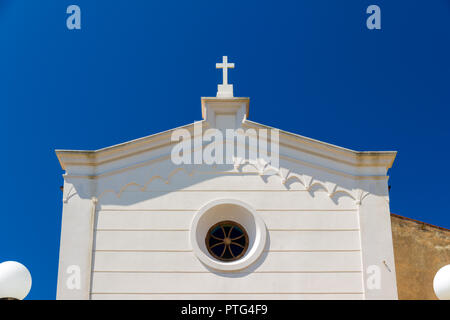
pixel 139 67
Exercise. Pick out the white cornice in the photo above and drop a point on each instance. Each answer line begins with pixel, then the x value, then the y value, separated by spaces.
pixel 225 101
pixel 116 152
pixel 333 152
pixel 328 156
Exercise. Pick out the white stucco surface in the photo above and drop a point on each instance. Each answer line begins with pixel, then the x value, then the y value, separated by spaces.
pixel 128 220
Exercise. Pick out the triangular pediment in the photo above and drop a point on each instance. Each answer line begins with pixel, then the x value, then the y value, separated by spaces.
pixel 157 146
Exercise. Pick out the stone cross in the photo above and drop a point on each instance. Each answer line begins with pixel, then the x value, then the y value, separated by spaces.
pixel 225 90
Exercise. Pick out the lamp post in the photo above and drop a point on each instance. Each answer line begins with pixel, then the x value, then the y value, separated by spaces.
pixel 15 281
pixel 441 283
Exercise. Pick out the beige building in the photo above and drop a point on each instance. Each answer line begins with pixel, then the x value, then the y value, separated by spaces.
pixel 420 250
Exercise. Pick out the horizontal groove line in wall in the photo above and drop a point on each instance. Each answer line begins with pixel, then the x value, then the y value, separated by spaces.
pixel 313 229
pixel 218 190
pixel 242 273
pixel 189 230
pixel 257 210
pixel 307 210
pixel 182 293
pixel 318 250
pixel 294 250
pixel 126 250
pixel 147 210
pixel 141 229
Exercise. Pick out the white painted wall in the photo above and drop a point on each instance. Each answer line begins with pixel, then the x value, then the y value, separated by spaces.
pixel 142 243
pixel 126 223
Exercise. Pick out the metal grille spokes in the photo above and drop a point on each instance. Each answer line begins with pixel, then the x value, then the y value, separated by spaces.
pixel 227 241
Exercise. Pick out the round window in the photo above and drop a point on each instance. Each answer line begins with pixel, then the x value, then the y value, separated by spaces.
pixel 227 241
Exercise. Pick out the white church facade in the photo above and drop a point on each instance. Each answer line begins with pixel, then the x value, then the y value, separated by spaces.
pixel 138 225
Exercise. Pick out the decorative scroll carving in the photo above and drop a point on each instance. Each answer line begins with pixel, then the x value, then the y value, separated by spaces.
pixel 70 193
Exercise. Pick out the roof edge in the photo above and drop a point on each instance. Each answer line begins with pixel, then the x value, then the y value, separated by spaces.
pixel 419 222
pixel 322 149
pixel 356 155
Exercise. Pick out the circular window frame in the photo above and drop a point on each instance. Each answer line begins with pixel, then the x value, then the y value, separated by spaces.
pixel 239 212
pixel 233 224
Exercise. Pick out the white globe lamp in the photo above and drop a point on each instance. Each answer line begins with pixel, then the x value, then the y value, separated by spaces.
pixel 441 283
pixel 15 280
